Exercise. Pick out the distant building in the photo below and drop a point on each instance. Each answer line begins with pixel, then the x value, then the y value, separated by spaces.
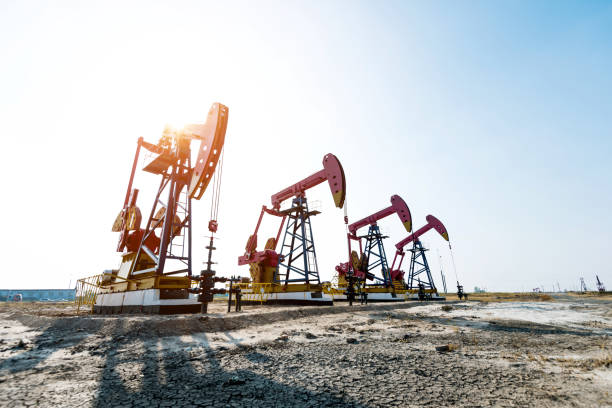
pixel 479 290
pixel 37 295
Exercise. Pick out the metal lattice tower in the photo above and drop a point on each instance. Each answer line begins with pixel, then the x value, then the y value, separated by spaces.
pixel 178 203
pixel 583 287
pixel 298 259
pixel 419 268
pixel 180 247
pixel 374 255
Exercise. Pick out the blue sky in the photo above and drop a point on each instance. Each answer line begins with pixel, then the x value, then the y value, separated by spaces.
pixel 492 116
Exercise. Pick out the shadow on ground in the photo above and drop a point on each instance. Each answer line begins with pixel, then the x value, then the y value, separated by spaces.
pixel 34 353
pixel 192 374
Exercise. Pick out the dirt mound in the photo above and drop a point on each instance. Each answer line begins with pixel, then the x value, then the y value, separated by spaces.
pixel 161 326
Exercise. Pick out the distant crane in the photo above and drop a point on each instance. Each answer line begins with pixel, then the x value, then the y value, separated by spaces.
pixel 600 286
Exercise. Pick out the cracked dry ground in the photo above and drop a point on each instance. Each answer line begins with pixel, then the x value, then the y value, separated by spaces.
pixel 367 356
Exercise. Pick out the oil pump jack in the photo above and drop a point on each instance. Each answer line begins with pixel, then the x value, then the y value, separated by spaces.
pixel 372 256
pixel 291 275
pixel 155 275
pixel 419 282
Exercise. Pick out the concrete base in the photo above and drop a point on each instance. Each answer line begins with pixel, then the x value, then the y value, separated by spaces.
pixel 144 301
pixel 288 298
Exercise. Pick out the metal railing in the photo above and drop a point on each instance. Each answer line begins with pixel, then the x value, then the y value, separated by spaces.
pixel 399 286
pixel 255 292
pixel 332 289
pixel 87 289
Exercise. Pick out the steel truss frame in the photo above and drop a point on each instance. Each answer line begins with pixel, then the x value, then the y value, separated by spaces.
pixel 418 267
pixel 175 179
pixel 374 252
pixel 297 252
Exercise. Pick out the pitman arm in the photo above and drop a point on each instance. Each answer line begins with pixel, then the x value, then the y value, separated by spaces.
pixel 398 206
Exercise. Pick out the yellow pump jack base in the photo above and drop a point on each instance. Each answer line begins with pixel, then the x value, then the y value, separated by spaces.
pixel 290 294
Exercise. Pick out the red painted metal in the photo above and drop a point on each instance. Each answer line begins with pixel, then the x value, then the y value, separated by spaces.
pixel 213 225
pixel 212 134
pixel 397 275
pixel 343 268
pixel 345 265
pixel 173 164
pixel 332 172
pixel 251 255
pixel 432 223
pixel 135 238
pixel 398 206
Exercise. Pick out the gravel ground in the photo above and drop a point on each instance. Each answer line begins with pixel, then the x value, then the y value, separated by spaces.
pixel 410 354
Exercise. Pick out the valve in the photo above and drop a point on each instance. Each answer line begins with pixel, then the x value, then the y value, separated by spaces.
pixel 206 289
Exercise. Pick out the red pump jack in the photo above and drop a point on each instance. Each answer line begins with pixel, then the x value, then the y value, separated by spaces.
pixel 291 275
pixel 419 281
pixel 372 257
pixel 156 272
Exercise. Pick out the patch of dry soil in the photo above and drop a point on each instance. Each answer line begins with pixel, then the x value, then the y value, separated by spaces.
pixel 406 354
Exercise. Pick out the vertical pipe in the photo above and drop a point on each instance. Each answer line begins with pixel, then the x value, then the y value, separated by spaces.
pixel 350 260
pixel 210 249
pixel 229 299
